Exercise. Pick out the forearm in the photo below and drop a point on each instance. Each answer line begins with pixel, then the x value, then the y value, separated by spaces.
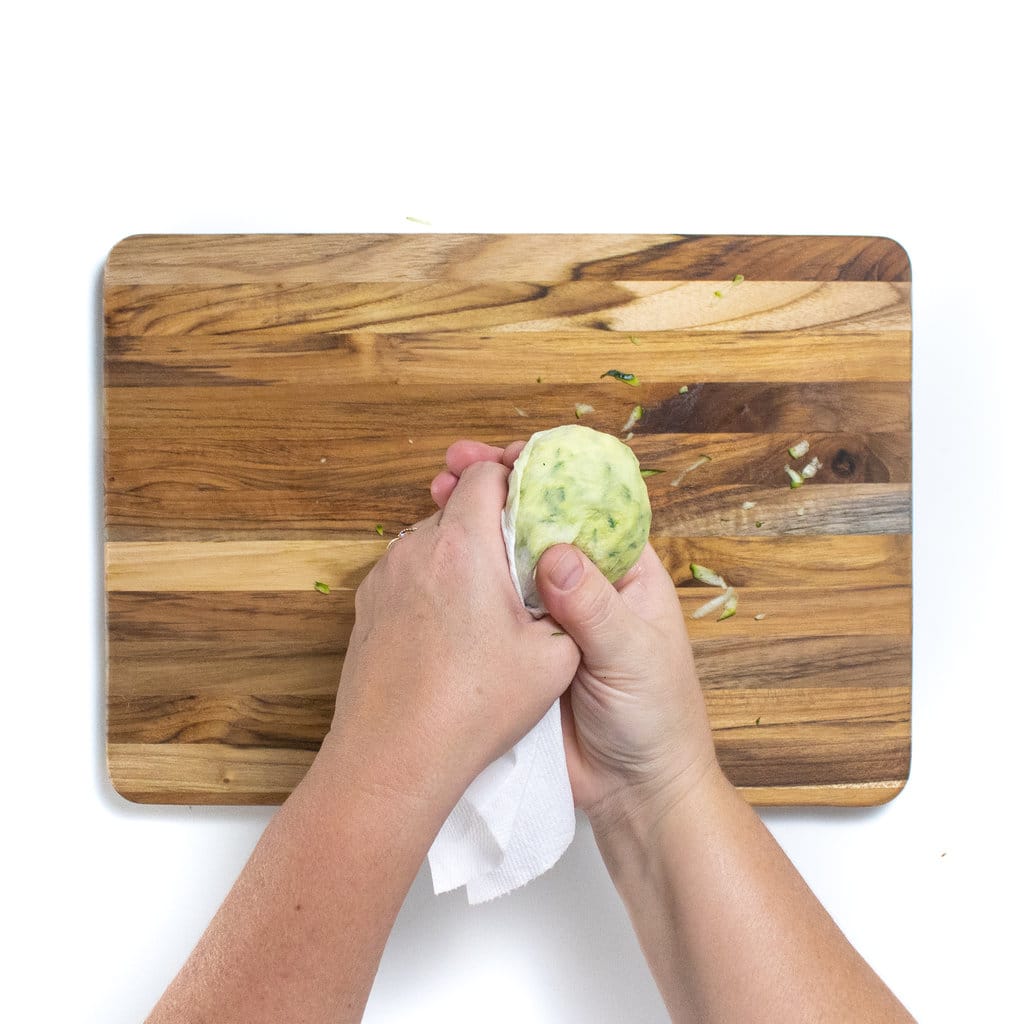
pixel 300 935
pixel 730 929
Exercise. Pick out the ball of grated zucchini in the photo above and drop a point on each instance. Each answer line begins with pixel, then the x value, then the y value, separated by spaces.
pixel 574 485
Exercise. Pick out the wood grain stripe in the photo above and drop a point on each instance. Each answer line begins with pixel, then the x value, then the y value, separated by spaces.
pixel 295 310
pixel 249 566
pixel 724 661
pixel 214 514
pixel 172 489
pixel 821 509
pixel 213 773
pixel 230 259
pixel 350 358
pixel 296 720
pixel 311 468
pixel 208 773
pixel 861 735
pixel 728 663
pixel 293 412
pixel 840 794
pixel 198 627
pixel 300 720
pixel 218 624
pixel 872 744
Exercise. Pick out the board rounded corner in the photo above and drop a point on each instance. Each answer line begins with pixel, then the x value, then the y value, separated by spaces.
pixel 899 254
pixel 120 251
pixel 886 794
pixel 119 787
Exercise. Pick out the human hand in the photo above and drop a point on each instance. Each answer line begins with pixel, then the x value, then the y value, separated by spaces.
pixel 635 724
pixel 445 669
pixel 640 736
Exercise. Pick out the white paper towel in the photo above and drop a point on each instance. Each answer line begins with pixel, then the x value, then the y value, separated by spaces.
pixel 513 822
pixel 517 816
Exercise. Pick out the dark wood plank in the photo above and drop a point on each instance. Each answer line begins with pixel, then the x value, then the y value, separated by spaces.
pixel 207 625
pixel 558 357
pixel 296 412
pixel 212 624
pixel 855 735
pixel 794 729
pixel 202 484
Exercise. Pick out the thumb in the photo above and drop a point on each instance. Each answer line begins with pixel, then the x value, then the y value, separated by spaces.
pixel 584 604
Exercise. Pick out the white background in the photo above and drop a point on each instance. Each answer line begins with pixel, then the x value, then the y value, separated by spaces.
pixel 867 118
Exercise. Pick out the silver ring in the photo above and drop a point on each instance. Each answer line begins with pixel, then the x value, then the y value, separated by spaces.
pixel 401 534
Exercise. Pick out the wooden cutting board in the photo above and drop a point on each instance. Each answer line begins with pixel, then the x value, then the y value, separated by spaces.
pixel 270 399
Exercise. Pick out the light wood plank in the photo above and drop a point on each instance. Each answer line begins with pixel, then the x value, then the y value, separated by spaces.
pixel 242 566
pixel 281 565
pixel 787 712
pixel 168 674
pixel 185 773
pixel 212 773
pixel 427 256
pixel 215 774
pixel 848 794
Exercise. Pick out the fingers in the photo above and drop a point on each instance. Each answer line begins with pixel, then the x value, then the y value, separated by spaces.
pixel 511 453
pixel 476 503
pixel 441 487
pixel 585 604
pixel 463 454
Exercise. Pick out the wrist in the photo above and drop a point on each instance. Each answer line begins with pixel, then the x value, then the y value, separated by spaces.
pixel 630 822
pixel 352 769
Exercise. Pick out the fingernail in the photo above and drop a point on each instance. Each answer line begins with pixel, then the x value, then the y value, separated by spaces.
pixel 566 572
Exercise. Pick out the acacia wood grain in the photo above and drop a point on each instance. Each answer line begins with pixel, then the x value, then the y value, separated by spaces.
pixel 556 357
pixel 227 259
pixel 291 565
pixel 292 311
pixel 294 412
pixel 208 625
pixel 216 773
pixel 270 400
pixel 724 663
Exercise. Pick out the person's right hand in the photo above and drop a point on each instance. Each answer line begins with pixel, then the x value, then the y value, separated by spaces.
pixel 638 734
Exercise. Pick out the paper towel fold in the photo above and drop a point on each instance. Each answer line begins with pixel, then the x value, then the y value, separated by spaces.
pixel 517 817
pixel 513 822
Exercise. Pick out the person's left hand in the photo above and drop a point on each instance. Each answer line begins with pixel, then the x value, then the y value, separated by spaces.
pixel 446 670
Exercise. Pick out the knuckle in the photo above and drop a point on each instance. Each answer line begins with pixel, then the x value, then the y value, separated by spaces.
pixel 481 472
